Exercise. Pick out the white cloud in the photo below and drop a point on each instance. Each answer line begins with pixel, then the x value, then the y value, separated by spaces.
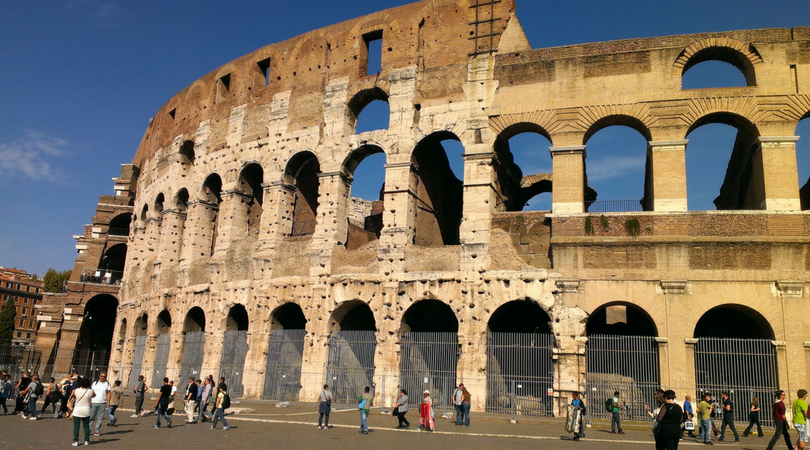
pixel 613 168
pixel 31 156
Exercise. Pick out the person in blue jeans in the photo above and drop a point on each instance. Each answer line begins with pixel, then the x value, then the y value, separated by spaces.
pixel 162 404
pixel 616 419
pixel 219 413
pixel 364 405
pixel 704 413
pixel 465 404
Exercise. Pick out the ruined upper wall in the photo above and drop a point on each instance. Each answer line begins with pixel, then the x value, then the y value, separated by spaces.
pixel 432 35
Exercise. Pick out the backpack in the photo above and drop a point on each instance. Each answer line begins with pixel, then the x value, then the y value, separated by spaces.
pixel 226 401
pixel 38 389
pixel 609 404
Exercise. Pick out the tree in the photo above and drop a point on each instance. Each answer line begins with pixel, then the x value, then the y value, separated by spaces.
pixel 55 281
pixel 7 316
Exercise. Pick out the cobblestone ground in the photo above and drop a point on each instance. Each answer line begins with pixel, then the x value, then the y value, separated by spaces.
pixel 295 428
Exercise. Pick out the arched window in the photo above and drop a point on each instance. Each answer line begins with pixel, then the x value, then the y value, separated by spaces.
pixel 186 154
pixel 193 343
pixel 92 352
pixel 803 160
pixel 366 167
pixel 250 183
pixel 111 266
pixel 302 173
pixel 369 110
pixel 119 225
pixel 717 67
pixel 159 205
pixel 440 195
pixel 212 196
pixel 524 167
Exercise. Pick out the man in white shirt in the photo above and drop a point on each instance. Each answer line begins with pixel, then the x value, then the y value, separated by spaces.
pixel 100 402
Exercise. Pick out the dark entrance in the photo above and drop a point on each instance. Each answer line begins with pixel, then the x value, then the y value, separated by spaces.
pixel 282 379
pixel 352 345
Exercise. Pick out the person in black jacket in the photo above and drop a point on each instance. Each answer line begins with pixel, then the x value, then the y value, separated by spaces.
pixel 669 422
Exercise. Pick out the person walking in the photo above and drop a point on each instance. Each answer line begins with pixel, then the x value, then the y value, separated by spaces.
pixel 31 395
pixel 139 389
pixel 52 396
pixel 800 418
pixel 116 400
pixel 779 410
pixel 5 391
pixel 705 409
pixel 753 418
pixel 66 386
pixel 81 398
pixel 19 388
pixel 402 409
pixel 205 399
pixel 198 399
pixel 365 401
pixel 579 407
pixel 162 403
pixel 669 421
pixel 324 407
pixel 426 422
pixel 220 404
pixel 728 418
pixel 190 399
pixel 659 403
pixel 616 418
pixel 688 415
pixel 100 402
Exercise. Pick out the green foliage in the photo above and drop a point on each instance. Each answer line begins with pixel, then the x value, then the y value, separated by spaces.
pixel 604 222
pixel 34 277
pixel 588 225
pixel 7 316
pixel 633 226
pixel 519 221
pixel 54 280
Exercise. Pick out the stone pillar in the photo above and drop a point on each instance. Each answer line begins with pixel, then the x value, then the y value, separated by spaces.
pixel 152 235
pixel 688 367
pixel 668 172
pixel 480 198
pixel 387 354
pixel 232 221
pixel 664 377
pixel 782 365
pixel 198 230
pixel 279 198
pixel 68 337
pixel 472 360
pixel 569 376
pixel 171 236
pixel 776 162
pixel 399 218
pixel 331 226
pixel 316 354
pixel 568 167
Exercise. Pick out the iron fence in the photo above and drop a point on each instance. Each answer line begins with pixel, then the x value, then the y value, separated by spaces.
pixel 350 367
pixel 161 359
pixel 232 362
pixel 90 363
pixel 137 360
pixel 520 373
pixel 429 362
pixel 282 379
pixel 600 206
pixel 193 353
pixel 15 359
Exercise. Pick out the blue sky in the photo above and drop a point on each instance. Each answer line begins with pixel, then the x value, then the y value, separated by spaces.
pixel 81 78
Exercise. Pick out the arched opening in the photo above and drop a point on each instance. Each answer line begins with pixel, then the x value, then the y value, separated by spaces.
pixel 234 349
pixel 177 225
pixel 186 154
pixel 282 379
pixel 181 200
pixel 140 329
pixel 440 194
pixel 352 345
pixel 302 174
pixel 735 353
pixel 369 110
pixel 111 268
pixel 524 167
pixel 193 343
pixel 92 353
pixel 119 225
pixel 720 164
pixel 250 183
pixel 718 67
pixel 520 369
pixel 803 161
pixel 159 200
pixel 429 350
pixel 618 168
pixel 622 355
pixel 212 196
pixel 366 169
pixel 163 328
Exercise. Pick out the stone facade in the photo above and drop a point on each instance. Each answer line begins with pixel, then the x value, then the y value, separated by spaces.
pixel 242 186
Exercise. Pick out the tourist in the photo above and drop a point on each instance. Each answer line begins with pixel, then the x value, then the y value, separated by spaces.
pixel 205 398
pixel 458 394
pixel 116 400
pixel 198 400
pixel 466 400
pixel 5 391
pixel 779 411
pixel 190 399
pixel 324 407
pixel 616 418
pixel 669 421
pixel 402 409
pixel 213 396
pixel 139 389
pixel 170 411
pixel 81 398
pixel 100 402
pixel 52 396
pixel 162 403
pixel 659 403
pixel 753 418
pixel 688 415
pixel 220 404
pixel 364 405
pixel 22 385
pixel 705 409
pixel 579 416
pixel 728 418
pixel 800 418
pixel 426 422
pixel 66 386
pixel 31 395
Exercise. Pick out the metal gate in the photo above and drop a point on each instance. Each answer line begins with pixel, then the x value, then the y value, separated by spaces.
pixel 90 363
pixel 232 362
pixel 137 360
pixel 520 373
pixel 193 353
pixel 429 361
pixel 628 364
pixel 161 359
pixel 351 363
pixel 282 376
pixel 745 368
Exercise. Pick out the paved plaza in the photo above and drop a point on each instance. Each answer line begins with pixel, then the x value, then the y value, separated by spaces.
pixel 295 428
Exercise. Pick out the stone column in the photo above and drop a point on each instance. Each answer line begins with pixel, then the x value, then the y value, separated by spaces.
pixel 399 218
pixel 68 337
pixel 331 226
pixel 232 221
pixel 782 365
pixel 480 198
pixel 171 236
pixel 687 369
pixel 279 198
pixel 664 378
pixel 387 354
pixel 472 360
pixel 776 162
pixel 198 230
pixel 568 167
pixel 316 354
pixel 668 172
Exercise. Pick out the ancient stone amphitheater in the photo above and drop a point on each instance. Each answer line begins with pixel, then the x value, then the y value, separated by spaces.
pixel 233 245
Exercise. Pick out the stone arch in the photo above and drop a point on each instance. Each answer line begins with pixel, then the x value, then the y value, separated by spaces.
pixel 237 319
pixel 363 98
pixel 186 154
pixel 302 174
pixel 617 119
pixel 92 351
pixel 211 190
pixel 353 315
pixel 112 263
pixel 119 225
pixel 181 200
pixel 141 325
pixel 251 179
pixel 743 56
pixel 163 324
pixel 731 320
pixel 158 205
pixel 621 319
pixel 516 187
pixel 365 215
pixel 210 193
pixel 519 316
pixel 429 315
pixel 288 316
pixel 193 343
pixel 194 320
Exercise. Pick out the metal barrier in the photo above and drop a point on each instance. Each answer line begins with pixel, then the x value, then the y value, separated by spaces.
pixel 15 359
pixel 520 373
pixel 161 359
pixel 351 363
pixel 232 362
pixel 137 360
pixel 429 361
pixel 193 353
pixel 282 379
pixel 599 206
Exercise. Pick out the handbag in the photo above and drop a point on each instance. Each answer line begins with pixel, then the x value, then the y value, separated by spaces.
pixel 395 411
pixel 689 425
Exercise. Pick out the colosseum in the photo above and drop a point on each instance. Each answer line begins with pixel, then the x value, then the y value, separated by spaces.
pixel 233 245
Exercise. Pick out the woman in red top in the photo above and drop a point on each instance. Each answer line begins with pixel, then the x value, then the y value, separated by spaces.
pixel 781 423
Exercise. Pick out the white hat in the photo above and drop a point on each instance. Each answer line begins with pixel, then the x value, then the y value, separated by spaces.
pixel 426 392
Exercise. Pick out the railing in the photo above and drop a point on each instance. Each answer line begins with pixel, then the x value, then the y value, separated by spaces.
pixel 600 206
pixel 101 276
pixel 116 231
